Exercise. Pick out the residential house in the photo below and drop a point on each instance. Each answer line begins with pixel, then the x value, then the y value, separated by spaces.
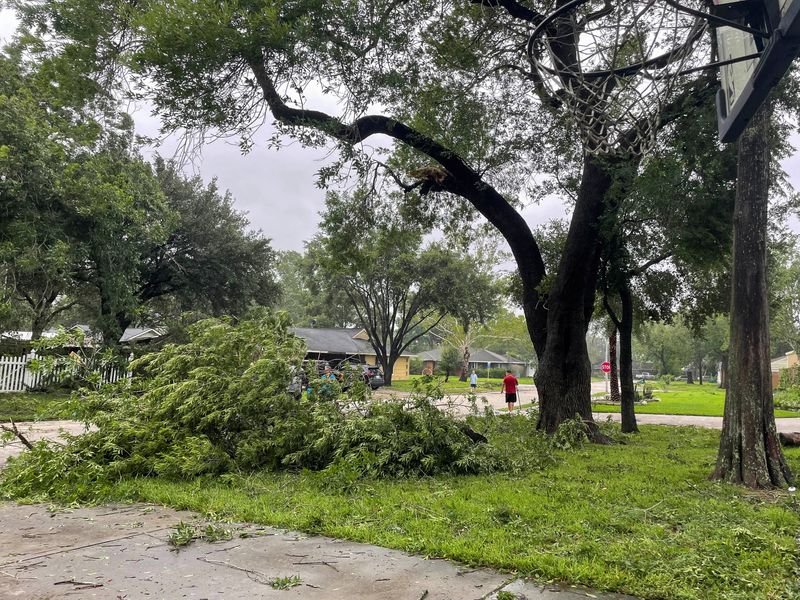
pixel 479 358
pixel 335 344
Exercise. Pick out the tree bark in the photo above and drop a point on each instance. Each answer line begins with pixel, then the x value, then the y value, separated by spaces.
pixel 465 356
pixel 613 378
pixel 723 372
pixel 750 452
pixel 40 321
pixel 563 380
pixel 628 416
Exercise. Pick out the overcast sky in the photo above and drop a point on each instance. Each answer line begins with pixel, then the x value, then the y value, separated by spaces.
pixel 276 188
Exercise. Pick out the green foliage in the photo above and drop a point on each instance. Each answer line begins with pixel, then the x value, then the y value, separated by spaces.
pixel 571 434
pixel 787 399
pixel 790 378
pixel 285 583
pixel 219 404
pixel 449 361
pixel 181 536
pixel 210 263
pixel 82 368
pixel 185 533
pixel 787 396
pixel 399 287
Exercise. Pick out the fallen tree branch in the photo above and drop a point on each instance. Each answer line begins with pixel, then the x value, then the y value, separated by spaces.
pixel 17 433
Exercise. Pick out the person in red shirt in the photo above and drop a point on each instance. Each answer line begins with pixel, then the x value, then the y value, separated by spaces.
pixel 510 384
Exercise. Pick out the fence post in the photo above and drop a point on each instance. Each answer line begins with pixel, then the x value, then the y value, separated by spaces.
pixel 129 374
pixel 29 378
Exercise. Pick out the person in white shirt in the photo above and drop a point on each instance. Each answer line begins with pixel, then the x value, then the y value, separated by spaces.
pixel 473 381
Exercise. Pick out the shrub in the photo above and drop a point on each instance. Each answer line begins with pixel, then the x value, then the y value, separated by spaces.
pixel 415 366
pixel 788 399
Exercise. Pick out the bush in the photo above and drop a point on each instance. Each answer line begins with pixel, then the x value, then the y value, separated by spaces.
pixel 790 378
pixel 219 403
pixel 493 373
pixel 788 399
pixel 415 366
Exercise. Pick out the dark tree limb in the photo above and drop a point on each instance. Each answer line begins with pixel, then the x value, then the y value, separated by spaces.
pixel 462 181
pixel 13 429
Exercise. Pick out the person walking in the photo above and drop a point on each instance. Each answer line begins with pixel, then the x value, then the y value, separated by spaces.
pixel 473 381
pixel 510 384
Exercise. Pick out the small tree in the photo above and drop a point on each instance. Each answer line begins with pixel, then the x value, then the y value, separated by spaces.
pixel 450 360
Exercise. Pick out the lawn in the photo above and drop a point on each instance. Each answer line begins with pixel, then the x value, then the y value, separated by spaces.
pixel 453 384
pixel 29 406
pixel 640 517
pixel 705 400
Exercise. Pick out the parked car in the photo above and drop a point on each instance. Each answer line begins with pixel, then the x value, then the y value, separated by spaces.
pixel 373 376
pixel 645 376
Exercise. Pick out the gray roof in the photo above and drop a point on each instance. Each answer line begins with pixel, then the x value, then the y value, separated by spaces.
pixel 335 340
pixel 139 334
pixel 476 355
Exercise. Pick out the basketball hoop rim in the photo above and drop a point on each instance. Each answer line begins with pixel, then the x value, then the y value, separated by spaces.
pixel 632 69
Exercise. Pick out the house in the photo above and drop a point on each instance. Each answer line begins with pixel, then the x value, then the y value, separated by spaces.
pixel 479 358
pixel 336 344
pixel 20 341
pixel 788 360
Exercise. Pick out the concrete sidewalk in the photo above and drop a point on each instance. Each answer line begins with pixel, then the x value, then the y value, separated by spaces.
pixel 121 552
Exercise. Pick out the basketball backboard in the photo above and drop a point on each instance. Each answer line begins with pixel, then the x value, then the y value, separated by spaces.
pixel 751 65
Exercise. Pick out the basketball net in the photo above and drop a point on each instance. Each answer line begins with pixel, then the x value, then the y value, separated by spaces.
pixel 613 67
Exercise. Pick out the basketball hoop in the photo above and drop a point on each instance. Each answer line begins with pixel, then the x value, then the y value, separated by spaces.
pixel 614 67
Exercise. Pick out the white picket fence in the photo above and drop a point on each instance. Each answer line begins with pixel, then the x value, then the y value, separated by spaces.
pixel 17 376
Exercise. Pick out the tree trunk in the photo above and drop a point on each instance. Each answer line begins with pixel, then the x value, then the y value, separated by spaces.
pixel 465 363
pixel 388 369
pixel 628 400
pixel 613 378
pixel 700 371
pixel 723 372
pixel 563 380
pixel 750 452
pixel 39 323
pixel 690 377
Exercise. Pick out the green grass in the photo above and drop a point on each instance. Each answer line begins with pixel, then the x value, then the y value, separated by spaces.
pixel 30 405
pixel 705 400
pixel 454 385
pixel 640 518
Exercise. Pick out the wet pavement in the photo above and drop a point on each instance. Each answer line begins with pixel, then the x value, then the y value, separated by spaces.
pixel 122 552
